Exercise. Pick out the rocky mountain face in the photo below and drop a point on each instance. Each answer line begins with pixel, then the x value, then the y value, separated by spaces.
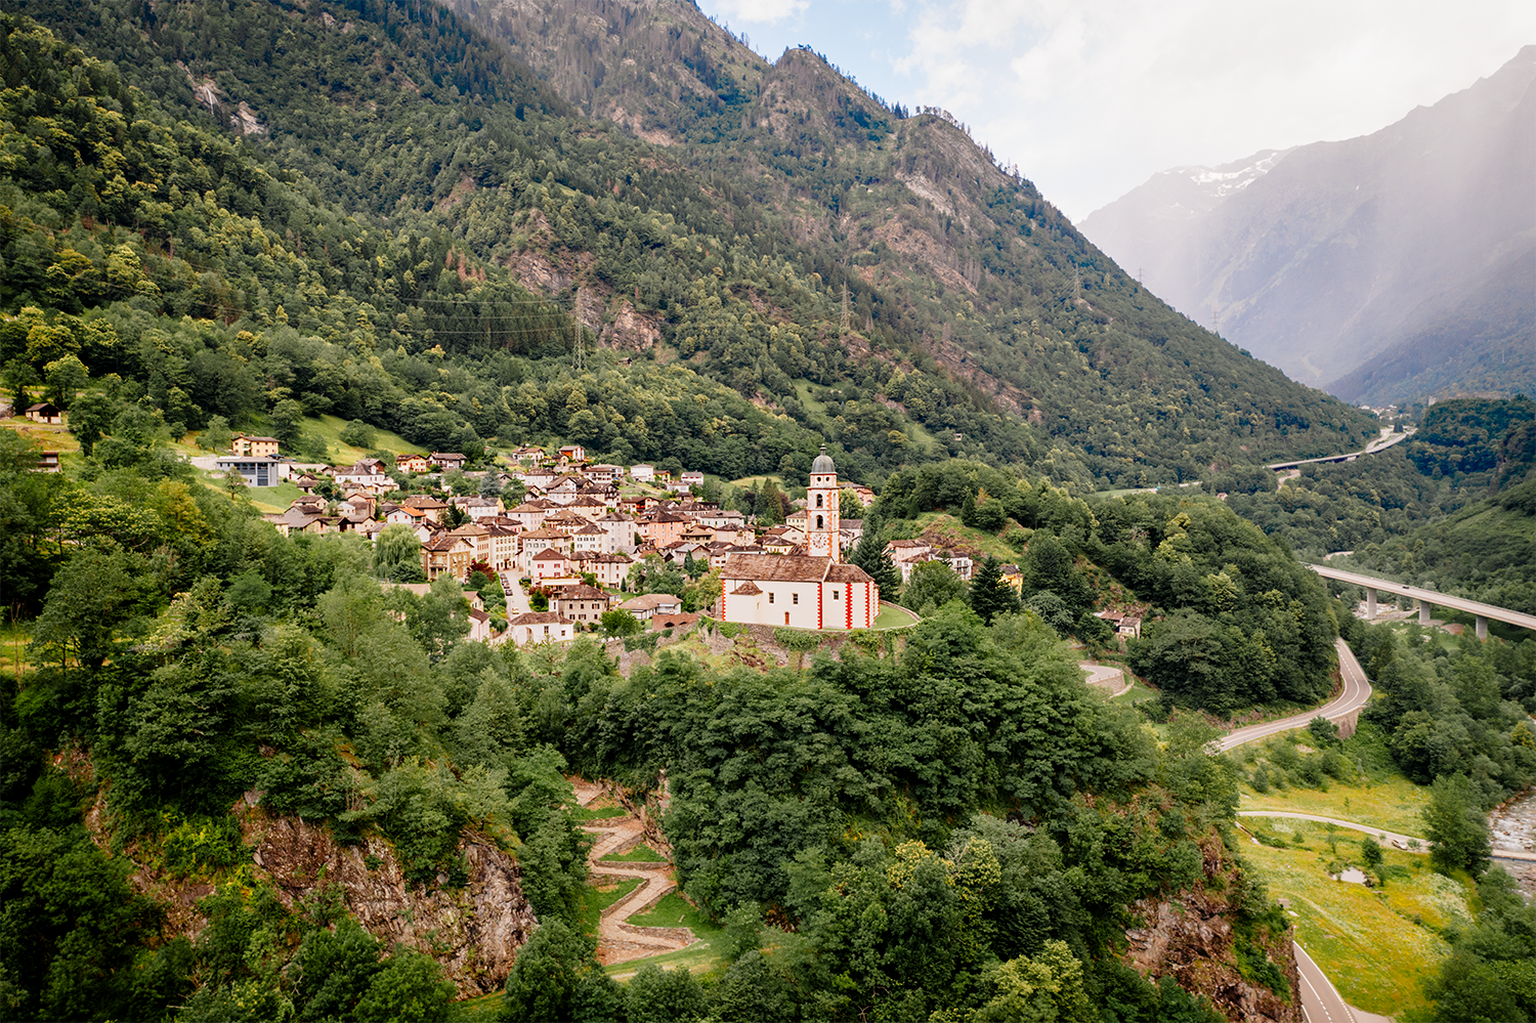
pixel 1398 263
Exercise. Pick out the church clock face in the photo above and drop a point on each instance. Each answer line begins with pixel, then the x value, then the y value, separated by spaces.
pixel 817 544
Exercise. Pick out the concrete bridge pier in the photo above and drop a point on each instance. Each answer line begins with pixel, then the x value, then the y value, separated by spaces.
pixel 1423 613
pixel 1482 626
pixel 1370 603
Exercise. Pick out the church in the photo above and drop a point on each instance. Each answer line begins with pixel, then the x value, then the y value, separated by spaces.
pixel 814 590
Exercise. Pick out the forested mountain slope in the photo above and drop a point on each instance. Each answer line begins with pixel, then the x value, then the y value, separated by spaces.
pixel 975 319
pixel 1413 244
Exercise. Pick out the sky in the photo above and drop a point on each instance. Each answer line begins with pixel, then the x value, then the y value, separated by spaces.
pixel 1092 97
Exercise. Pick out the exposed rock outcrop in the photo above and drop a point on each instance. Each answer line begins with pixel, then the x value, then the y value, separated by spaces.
pixel 1190 937
pixel 473 931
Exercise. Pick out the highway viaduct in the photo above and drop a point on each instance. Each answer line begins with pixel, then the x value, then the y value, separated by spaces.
pixel 1480 612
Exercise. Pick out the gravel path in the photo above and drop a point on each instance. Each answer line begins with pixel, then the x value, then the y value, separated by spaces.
pixel 619 941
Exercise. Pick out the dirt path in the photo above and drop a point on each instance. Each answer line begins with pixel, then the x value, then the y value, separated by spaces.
pixel 619 941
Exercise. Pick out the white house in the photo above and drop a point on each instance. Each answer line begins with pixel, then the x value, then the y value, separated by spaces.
pixel 539 627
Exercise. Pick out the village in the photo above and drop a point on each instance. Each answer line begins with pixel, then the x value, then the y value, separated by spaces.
pixel 570 540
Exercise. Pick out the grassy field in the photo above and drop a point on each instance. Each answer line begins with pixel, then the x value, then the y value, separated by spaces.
pixel 598 813
pixel 1377 946
pixel 329 428
pixel 945 524
pixel 1392 805
pixel 639 854
pixel 14 637
pixel 894 617
pixel 674 911
pixel 599 897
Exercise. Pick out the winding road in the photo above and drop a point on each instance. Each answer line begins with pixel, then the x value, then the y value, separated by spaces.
pixel 1355 693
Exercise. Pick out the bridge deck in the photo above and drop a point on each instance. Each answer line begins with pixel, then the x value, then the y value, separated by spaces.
pixel 1473 607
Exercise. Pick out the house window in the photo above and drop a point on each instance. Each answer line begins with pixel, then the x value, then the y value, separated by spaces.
pixel 794 598
pixel 770 596
pixel 835 595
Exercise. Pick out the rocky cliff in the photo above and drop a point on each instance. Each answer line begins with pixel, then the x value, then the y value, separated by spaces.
pixel 473 931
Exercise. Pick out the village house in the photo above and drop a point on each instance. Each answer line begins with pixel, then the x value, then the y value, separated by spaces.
pixel 477 536
pixel 662 528
pixel 298 519
pixel 447 554
pixel 572 453
pixel 46 412
pixel 604 473
pixel 647 605
pixel 589 539
pixel 531 514
pixel 366 474
pixel 642 473
pixel 405 515
pixel 47 461
pixel 434 508
pixel 414 464
pixel 692 479
pixel 548 564
pixel 446 461
pixel 621 532
pixel 478 508
pixel 539 479
pixel 248 445
pixel 582 604
pixel 780 542
pixel 608 569
pixel 529 454
pixel 540 627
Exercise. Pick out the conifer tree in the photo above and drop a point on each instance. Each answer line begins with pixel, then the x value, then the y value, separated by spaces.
pixel 990 596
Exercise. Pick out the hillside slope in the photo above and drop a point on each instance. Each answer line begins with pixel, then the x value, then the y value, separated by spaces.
pixel 871 277
pixel 1382 244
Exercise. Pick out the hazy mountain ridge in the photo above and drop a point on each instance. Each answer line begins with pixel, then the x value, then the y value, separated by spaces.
pixel 1347 248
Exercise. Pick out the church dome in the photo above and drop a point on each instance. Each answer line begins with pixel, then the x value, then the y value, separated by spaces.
pixel 823 464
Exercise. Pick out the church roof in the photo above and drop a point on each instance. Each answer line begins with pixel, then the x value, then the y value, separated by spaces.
pixel 823 463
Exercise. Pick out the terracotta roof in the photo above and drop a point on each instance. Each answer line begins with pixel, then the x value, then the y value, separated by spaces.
pixel 776 568
pixel 845 573
pixel 649 601
pixel 539 618
pixel 550 554
pixel 584 593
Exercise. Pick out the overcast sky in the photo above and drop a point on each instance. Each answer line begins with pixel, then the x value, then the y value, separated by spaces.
pixel 1092 97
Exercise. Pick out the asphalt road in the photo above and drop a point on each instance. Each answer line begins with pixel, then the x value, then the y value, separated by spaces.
pixel 1356 691
pixel 1320 1002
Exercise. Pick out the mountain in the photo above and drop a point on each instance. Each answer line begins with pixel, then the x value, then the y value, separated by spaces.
pixel 1394 265
pixel 1152 229
pixel 816 257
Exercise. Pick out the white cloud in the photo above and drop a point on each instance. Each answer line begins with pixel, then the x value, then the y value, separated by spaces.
pixel 1091 99
pixel 762 12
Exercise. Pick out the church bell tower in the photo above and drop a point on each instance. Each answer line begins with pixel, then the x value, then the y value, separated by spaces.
pixel 823 532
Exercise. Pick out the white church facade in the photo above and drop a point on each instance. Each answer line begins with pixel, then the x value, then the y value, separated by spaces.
pixel 814 590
